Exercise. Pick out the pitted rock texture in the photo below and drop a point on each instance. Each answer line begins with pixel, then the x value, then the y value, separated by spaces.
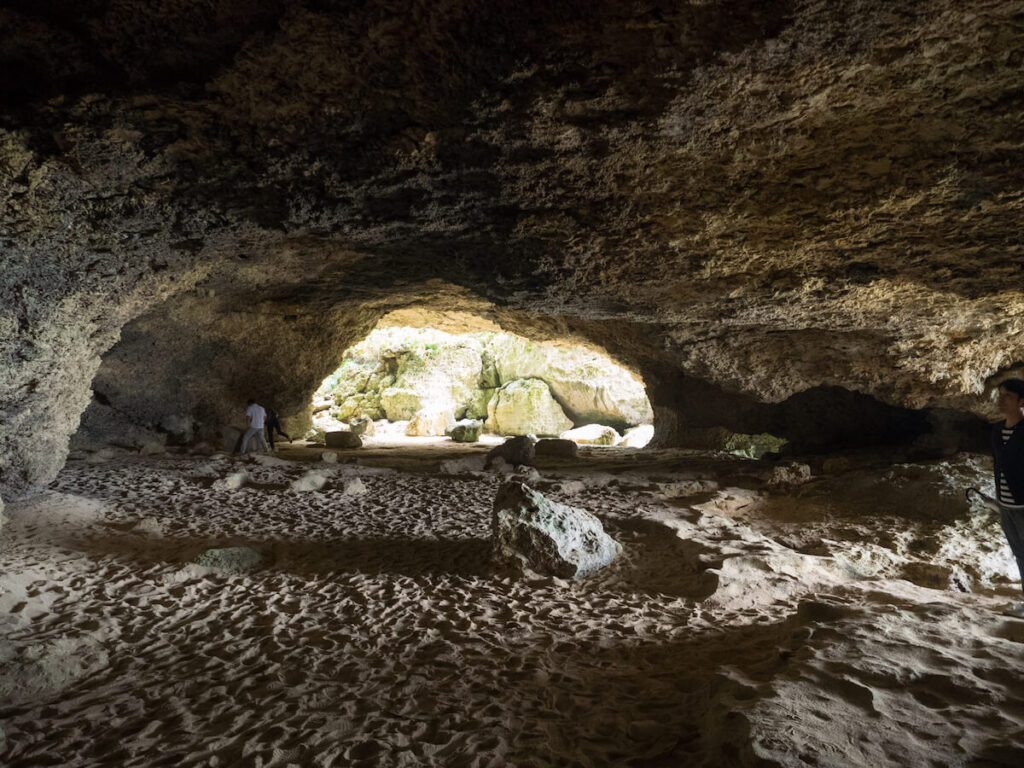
pixel 747 199
pixel 529 530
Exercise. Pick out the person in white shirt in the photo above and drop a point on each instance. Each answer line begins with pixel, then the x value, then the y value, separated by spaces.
pixel 257 417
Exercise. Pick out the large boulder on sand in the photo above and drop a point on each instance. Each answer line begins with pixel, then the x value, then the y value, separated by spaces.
pixel 526 407
pixel 592 434
pixel 548 537
pixel 466 431
pixel 518 451
pixel 342 439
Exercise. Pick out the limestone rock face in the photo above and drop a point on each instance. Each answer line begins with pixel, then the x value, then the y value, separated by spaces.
pixel 441 379
pixel 592 434
pixel 526 407
pixel 343 440
pixel 545 536
pixel 589 388
pixel 357 389
pixel 429 423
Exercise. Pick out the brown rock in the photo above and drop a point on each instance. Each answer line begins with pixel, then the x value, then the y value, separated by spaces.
pixel 342 440
pixel 565 449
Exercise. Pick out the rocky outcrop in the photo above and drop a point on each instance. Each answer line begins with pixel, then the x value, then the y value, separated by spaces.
pixel 589 387
pixel 526 407
pixel 430 423
pixel 748 204
pixel 441 379
pixel 399 371
pixel 547 537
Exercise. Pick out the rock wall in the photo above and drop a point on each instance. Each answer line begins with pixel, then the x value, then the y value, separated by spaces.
pixel 762 197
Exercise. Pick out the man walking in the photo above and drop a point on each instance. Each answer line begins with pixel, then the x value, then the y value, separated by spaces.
pixel 1008 457
pixel 274 425
pixel 257 417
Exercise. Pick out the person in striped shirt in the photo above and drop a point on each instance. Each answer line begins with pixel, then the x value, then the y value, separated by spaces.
pixel 1008 458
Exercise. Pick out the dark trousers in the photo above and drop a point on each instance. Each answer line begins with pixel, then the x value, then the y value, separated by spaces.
pixel 275 427
pixel 1013 526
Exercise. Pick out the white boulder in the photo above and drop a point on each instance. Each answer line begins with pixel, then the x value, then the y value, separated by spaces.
pixel 526 407
pixel 592 434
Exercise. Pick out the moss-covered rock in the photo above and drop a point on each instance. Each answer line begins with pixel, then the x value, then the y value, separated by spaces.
pixel 526 407
pixel 440 377
pixel 589 387
pixel 466 431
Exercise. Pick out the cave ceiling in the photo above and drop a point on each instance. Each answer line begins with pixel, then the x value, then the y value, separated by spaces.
pixel 768 196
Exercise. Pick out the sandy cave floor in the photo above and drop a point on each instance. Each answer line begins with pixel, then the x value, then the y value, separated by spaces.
pixel 741 626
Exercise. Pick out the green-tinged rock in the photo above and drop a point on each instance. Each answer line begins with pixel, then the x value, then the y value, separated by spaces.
pixel 229 559
pixel 721 439
pixel 400 403
pixel 529 530
pixel 526 407
pixel 478 402
pixel 438 377
pixel 356 387
pixel 362 425
pixel 466 431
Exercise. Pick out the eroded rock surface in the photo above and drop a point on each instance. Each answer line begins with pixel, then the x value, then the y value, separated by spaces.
pixel 741 202
pixel 546 536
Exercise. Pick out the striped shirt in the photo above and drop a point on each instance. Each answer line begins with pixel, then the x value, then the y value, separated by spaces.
pixel 1004 494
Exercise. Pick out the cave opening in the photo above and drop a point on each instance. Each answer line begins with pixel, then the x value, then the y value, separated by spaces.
pixel 476 383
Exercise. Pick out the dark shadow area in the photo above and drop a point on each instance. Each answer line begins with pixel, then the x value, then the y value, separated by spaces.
pixel 658 544
pixel 396 556
pixel 818 420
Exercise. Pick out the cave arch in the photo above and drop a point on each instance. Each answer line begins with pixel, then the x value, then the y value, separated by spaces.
pixel 436 366
pixel 185 368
